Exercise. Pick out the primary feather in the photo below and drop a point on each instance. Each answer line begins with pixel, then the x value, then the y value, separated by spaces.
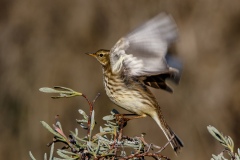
pixel 142 52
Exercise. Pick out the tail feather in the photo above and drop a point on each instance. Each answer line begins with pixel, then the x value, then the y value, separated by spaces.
pixel 175 141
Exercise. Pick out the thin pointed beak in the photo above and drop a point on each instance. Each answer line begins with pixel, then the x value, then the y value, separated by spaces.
pixel 91 54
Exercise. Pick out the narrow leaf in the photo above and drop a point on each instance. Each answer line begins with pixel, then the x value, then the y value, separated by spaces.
pixel 31 156
pixel 59 152
pixel 83 114
pixel 51 152
pixel 51 130
pixel 108 118
pixel 48 90
pixel 45 156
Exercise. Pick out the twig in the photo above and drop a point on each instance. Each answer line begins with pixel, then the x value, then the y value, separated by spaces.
pixel 90 114
pixel 153 155
pixel 162 148
pixel 95 98
pixel 111 149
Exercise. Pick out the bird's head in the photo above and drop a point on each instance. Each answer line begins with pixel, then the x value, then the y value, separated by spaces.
pixel 102 56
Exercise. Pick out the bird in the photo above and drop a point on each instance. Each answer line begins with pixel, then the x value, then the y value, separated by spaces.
pixel 138 61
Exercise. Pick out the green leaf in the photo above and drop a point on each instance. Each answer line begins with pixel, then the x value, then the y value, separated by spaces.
pixel 76 131
pixel 216 134
pixel 63 155
pixel 109 118
pixel 81 121
pixel 51 130
pixel 230 143
pixel 62 91
pixel 107 129
pixel 92 123
pixel 227 142
pixel 51 152
pixel 58 158
pixel 45 156
pixel 31 156
pixel 48 90
pixel 102 139
pixel 83 114
pixel 101 129
pixel 67 152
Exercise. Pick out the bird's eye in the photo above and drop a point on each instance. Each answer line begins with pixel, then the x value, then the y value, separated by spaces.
pixel 101 55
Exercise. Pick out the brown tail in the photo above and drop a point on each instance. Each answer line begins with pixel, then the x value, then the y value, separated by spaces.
pixel 175 141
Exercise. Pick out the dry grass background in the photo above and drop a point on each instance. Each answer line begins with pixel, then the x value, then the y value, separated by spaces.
pixel 42 43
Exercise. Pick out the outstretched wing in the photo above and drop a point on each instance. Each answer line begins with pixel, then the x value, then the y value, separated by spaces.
pixel 142 52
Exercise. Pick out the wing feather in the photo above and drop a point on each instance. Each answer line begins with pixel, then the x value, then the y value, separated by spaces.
pixel 142 52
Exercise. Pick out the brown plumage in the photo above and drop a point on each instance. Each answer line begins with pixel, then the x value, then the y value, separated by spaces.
pixel 138 61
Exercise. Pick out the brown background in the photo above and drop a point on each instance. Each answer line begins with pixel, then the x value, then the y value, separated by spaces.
pixel 42 43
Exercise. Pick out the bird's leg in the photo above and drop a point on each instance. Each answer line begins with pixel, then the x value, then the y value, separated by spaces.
pixel 134 116
pixel 139 116
pixel 122 121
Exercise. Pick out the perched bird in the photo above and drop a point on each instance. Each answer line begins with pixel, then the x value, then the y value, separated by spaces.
pixel 137 61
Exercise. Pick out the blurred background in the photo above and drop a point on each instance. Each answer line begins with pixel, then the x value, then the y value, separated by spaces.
pixel 42 43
